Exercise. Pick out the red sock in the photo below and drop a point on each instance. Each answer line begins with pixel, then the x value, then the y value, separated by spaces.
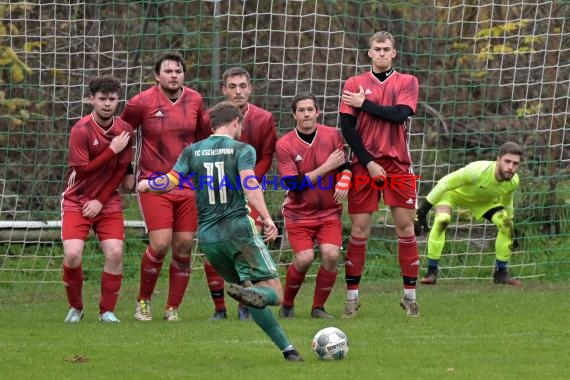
pixel 354 262
pixel 323 286
pixel 150 270
pixel 216 286
pixel 293 283
pixel 409 260
pixel 178 277
pixel 73 282
pixel 110 287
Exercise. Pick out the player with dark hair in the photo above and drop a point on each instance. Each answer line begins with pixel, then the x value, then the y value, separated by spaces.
pixel 222 170
pixel 309 159
pixel 99 153
pixel 258 130
pixel 373 111
pixel 168 117
pixel 486 188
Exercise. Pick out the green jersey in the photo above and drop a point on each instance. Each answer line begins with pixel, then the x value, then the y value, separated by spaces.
pixel 476 185
pixel 213 165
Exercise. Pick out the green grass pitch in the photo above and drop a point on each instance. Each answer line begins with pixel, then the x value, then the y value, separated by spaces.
pixel 467 330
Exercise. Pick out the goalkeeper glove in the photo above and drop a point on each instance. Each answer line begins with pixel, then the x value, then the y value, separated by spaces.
pixel 421 223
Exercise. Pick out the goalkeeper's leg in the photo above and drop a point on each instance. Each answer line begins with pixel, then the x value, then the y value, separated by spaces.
pixel 503 246
pixel 436 242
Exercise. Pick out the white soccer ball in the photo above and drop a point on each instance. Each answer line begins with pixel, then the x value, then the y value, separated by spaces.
pixel 330 343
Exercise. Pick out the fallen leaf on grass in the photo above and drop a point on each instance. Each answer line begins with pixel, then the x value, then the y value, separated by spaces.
pixel 77 359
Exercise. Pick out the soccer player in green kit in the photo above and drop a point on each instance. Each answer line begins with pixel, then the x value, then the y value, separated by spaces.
pixel 222 173
pixel 486 188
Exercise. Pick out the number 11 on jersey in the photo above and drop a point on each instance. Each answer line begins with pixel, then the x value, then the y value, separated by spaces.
pixel 212 184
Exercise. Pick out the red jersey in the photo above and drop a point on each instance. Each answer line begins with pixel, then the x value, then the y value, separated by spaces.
pixel 88 140
pixel 382 138
pixel 296 157
pixel 165 128
pixel 258 130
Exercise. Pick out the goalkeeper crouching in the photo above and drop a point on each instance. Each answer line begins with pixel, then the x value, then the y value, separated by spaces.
pixel 486 188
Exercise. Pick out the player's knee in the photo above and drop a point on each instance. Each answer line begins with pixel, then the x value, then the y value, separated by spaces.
pixel 160 248
pixel 114 255
pixel 441 221
pixel 360 230
pixel 503 221
pixel 184 248
pixel 303 260
pixel 330 257
pixel 72 258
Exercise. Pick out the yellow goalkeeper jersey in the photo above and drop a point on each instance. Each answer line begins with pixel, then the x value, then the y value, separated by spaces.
pixel 476 184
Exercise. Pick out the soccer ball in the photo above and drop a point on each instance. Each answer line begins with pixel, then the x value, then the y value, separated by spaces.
pixel 330 343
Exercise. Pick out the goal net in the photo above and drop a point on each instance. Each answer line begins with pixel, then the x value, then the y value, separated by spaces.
pixel 489 72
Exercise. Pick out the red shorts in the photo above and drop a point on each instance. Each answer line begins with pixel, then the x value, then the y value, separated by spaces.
pixel 173 211
pixel 106 226
pixel 303 236
pixel 398 189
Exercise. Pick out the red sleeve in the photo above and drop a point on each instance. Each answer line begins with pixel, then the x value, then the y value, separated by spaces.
pixel 126 155
pixel 410 92
pixel 351 86
pixel 263 166
pixel 113 184
pixel 123 162
pixel 286 166
pixel 207 127
pixel 95 164
pixel 264 163
pixel 203 129
pixel 132 113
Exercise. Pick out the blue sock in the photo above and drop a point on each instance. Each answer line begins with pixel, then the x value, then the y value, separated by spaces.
pixel 501 264
pixel 433 263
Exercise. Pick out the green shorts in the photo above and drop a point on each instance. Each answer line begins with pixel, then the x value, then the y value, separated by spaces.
pixel 241 259
pixel 454 201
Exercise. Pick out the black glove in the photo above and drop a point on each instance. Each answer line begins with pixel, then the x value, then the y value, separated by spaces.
pixel 421 223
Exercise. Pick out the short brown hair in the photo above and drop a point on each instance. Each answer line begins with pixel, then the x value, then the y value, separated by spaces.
pixel 511 148
pixel 303 96
pixel 233 71
pixel 224 113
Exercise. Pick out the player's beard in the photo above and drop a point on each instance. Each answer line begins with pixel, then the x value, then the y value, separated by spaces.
pixel 506 176
pixel 103 118
pixel 172 92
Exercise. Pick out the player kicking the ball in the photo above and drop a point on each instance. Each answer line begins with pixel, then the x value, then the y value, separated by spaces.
pixel 227 235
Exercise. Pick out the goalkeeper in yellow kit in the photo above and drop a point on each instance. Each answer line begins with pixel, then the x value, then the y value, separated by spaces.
pixel 485 188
